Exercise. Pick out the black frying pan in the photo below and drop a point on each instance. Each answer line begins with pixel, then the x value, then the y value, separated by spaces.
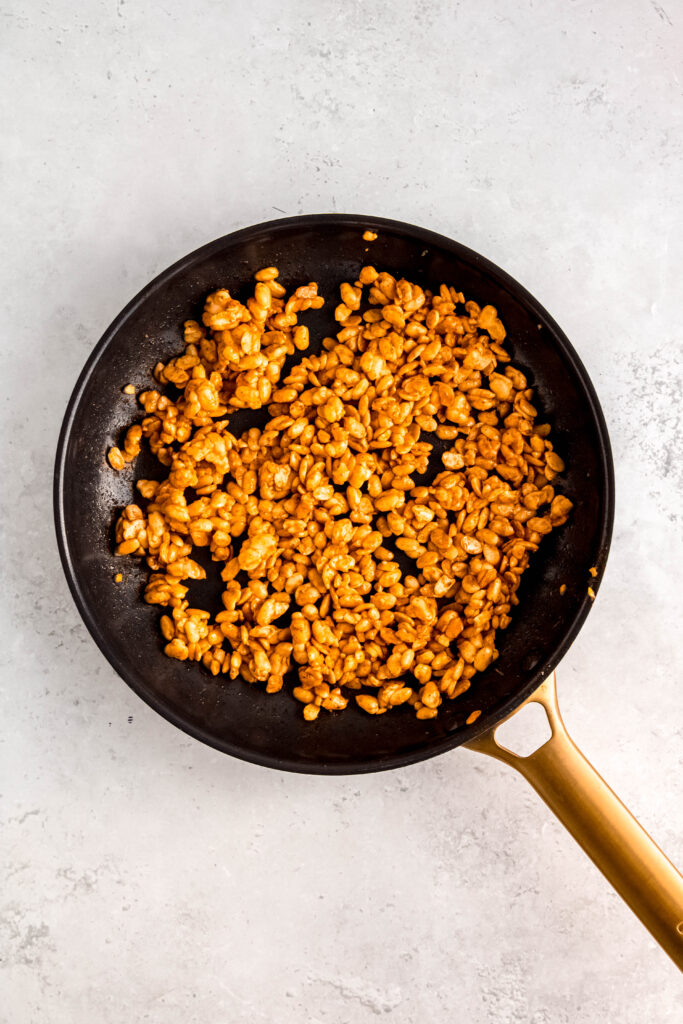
pixel 240 719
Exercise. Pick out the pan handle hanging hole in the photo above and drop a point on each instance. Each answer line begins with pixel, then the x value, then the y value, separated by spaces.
pixel 526 731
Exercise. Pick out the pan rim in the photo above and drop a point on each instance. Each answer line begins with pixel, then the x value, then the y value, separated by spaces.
pixel 430 748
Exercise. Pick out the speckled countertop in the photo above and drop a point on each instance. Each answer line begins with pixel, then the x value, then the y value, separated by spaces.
pixel 149 878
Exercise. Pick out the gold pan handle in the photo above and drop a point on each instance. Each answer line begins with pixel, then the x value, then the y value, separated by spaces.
pixel 610 835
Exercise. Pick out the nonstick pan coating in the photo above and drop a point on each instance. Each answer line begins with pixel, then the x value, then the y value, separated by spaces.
pixel 240 719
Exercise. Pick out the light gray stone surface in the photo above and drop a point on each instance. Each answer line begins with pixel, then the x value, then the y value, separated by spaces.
pixel 150 878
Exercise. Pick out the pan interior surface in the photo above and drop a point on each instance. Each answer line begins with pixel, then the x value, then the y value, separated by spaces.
pixel 241 719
